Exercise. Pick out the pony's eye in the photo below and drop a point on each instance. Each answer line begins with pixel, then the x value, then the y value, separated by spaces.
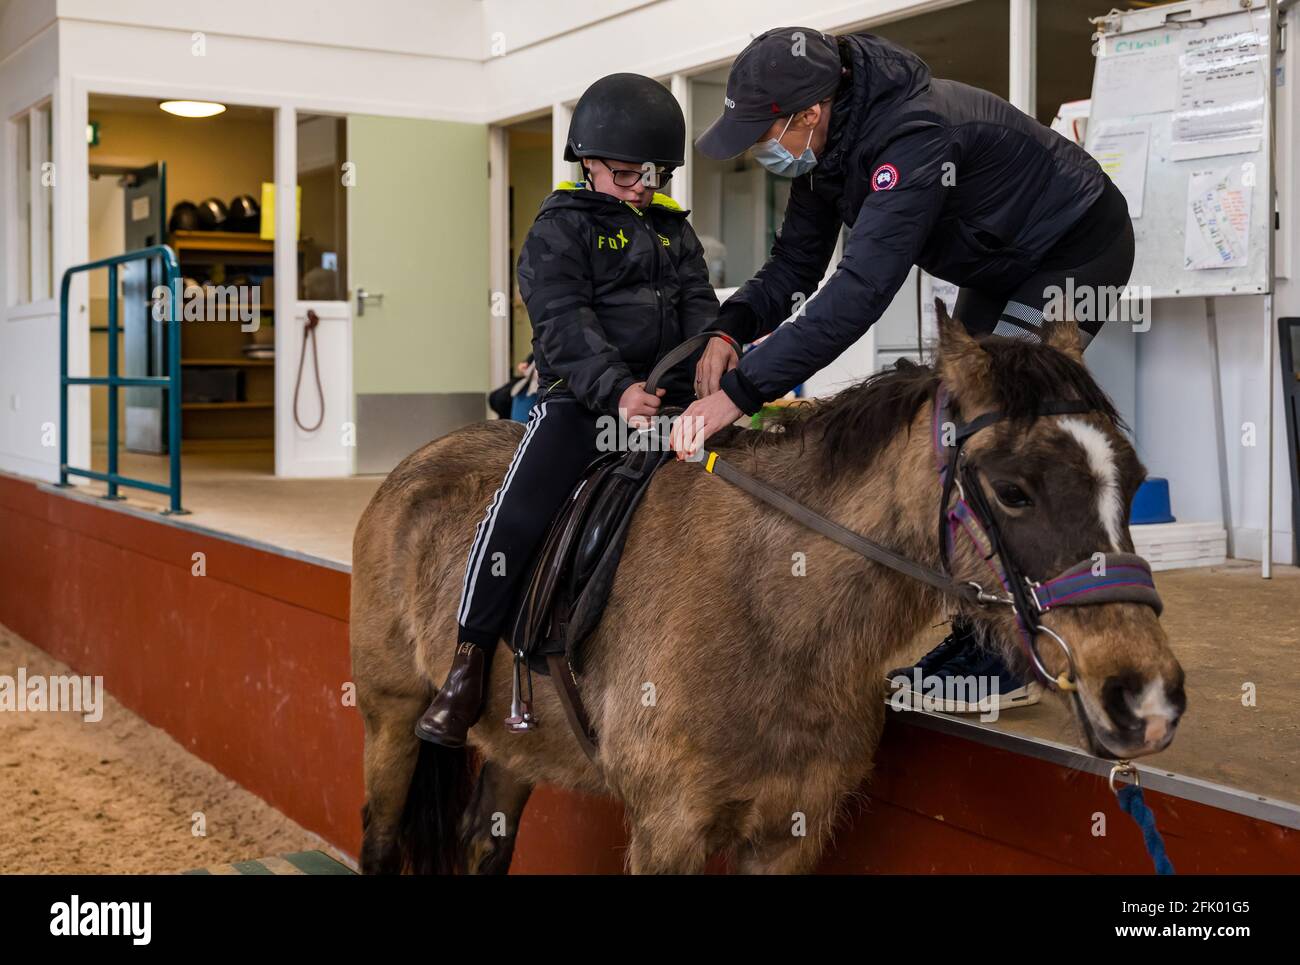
pixel 1011 495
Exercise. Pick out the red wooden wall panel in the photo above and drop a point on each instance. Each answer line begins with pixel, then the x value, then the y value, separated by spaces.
pixel 245 667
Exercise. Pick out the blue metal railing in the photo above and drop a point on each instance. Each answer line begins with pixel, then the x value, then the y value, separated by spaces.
pixel 170 383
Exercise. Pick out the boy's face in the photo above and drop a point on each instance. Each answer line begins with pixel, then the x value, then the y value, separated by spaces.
pixel 602 175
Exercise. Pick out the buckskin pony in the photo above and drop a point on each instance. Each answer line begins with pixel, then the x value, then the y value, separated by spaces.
pixel 731 688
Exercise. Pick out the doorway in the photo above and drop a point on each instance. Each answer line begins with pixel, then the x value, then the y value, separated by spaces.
pixel 195 183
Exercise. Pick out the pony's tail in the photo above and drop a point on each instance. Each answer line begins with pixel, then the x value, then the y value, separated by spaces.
pixel 429 835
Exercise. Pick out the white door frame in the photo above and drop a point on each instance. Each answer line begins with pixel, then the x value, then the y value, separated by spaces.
pixel 74 248
pixel 499 308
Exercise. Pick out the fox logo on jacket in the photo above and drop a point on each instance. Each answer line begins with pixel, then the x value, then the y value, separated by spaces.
pixel 884 178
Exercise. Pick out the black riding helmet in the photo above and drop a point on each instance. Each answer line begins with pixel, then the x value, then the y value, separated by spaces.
pixel 628 117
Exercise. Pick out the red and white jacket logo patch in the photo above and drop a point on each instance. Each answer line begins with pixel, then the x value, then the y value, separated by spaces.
pixel 884 178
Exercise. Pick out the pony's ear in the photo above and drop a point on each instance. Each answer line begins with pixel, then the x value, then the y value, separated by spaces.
pixel 963 364
pixel 1063 335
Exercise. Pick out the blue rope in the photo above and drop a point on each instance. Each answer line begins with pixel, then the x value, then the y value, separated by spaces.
pixel 1131 802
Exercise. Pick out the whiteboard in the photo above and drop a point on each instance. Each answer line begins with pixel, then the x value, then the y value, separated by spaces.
pixel 1182 121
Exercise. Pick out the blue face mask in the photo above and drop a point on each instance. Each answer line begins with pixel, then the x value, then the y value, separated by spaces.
pixel 774 156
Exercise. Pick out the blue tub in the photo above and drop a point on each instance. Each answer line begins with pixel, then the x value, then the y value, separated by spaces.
pixel 1151 503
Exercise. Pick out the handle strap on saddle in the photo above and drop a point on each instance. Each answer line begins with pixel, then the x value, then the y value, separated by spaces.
pixel 683 351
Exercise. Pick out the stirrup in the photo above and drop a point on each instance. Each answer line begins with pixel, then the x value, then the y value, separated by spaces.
pixel 521 717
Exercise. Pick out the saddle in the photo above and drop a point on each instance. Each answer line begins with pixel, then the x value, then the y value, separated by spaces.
pixel 572 576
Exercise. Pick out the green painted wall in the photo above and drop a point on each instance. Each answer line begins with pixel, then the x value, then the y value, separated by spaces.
pixel 419 214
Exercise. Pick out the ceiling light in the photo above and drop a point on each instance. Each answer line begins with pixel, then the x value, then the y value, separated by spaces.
pixel 192 108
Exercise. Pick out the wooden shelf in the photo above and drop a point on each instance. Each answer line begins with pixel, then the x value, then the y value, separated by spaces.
pixel 254 363
pixel 203 254
pixel 212 406
pixel 229 444
pixel 235 241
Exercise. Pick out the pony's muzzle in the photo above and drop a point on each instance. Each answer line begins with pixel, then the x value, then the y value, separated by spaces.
pixel 1130 694
pixel 1143 713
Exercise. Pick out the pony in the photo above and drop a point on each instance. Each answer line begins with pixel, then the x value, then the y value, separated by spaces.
pixel 735 679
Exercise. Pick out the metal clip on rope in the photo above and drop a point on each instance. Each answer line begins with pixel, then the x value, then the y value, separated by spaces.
pixel 1133 804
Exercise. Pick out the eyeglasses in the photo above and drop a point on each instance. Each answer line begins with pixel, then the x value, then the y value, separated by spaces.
pixel 631 177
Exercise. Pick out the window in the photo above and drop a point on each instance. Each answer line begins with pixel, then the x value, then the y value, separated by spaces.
pixel 32 267
pixel 322 152
pixel 23 206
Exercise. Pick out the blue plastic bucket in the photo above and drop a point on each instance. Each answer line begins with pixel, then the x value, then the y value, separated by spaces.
pixel 1151 503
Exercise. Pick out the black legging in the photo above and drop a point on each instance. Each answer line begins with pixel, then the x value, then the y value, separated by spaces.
pixel 1096 254
pixel 560 440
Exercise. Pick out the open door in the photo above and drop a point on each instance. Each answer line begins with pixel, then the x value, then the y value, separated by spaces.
pixel 418 261
pixel 143 338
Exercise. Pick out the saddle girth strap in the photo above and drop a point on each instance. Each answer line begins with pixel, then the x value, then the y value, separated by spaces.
pixel 566 688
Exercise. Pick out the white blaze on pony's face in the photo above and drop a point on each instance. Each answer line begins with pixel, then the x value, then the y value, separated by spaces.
pixel 1059 488
pixel 1101 460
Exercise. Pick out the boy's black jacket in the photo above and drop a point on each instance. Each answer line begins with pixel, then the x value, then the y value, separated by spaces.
pixel 609 290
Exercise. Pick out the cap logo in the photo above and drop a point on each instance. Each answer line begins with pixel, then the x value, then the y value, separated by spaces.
pixel 884 178
pixel 776 108
pixel 728 102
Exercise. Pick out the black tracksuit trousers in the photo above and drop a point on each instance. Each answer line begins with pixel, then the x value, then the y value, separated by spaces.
pixel 559 441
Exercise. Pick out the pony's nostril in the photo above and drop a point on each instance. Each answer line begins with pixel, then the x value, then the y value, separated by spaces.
pixel 1118 695
pixel 1177 698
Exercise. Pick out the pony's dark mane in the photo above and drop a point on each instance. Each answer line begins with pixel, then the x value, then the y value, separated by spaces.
pixel 854 425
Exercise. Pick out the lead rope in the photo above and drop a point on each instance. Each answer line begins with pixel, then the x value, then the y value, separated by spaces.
pixel 1134 805
pixel 309 334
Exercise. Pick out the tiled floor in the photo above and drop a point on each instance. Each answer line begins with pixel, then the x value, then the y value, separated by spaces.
pixel 237 493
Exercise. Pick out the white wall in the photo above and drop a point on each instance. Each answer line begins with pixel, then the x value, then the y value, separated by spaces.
pixel 419 28
pixel 658 39
pixel 21 21
pixel 412 58
pixel 516 24
pixel 29 334
pixel 1175 426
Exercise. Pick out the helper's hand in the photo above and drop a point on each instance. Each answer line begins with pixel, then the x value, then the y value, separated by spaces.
pixel 702 419
pixel 718 359
pixel 636 405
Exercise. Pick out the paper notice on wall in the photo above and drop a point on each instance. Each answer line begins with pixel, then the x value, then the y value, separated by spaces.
pixel 932 288
pixel 1137 75
pixel 1221 90
pixel 1218 219
pixel 1121 150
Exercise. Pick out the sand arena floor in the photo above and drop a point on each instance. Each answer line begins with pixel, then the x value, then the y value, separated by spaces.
pixel 119 796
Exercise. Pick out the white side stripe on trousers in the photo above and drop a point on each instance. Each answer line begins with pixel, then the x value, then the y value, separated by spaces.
pixel 483 535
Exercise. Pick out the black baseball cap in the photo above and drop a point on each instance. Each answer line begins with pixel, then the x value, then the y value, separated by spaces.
pixel 781 72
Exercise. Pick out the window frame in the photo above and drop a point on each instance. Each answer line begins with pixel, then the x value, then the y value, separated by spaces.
pixel 31 276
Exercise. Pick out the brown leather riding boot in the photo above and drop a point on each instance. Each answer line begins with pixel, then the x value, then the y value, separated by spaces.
pixel 459 702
